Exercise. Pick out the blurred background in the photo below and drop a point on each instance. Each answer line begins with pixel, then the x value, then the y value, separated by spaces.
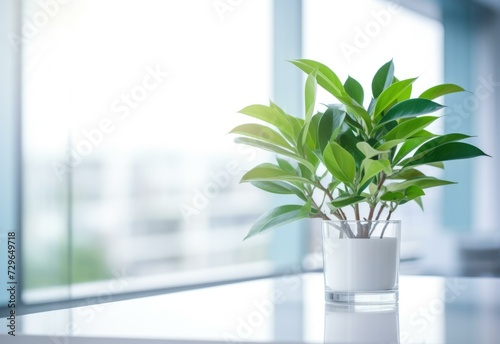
pixel 115 158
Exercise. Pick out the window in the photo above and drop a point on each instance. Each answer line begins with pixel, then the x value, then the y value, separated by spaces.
pixel 127 165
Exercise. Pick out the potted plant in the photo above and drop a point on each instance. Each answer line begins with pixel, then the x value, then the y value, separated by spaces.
pixel 352 167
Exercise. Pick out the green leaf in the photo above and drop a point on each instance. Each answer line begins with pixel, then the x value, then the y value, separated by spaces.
pixel 280 188
pixel 405 95
pixel 390 144
pixel 391 196
pixel 344 201
pixel 275 149
pixel 263 133
pixel 354 89
pixel 269 172
pixel 418 200
pixel 333 185
pixel 445 152
pixel 295 123
pixel 329 125
pixel 407 173
pixel 413 192
pixel 382 79
pixel 269 115
pixel 422 182
pixel 410 108
pixel 313 158
pixel 349 141
pixel 325 76
pixel 438 164
pixel 329 81
pixel 424 133
pixel 371 106
pixel 313 130
pixel 368 150
pixel 277 217
pixel 390 95
pixel 340 163
pixel 353 123
pixel 440 90
pixel 355 109
pixel 373 167
pixel 304 139
pixel 407 128
pixel 383 129
pixel 438 141
pixel 408 146
pixel 310 100
pixel 310 94
pixel 285 165
pixel 387 166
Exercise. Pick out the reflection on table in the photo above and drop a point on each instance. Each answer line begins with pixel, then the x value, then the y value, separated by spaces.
pixel 361 324
pixel 288 309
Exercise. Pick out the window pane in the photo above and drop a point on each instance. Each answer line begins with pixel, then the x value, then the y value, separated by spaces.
pixel 128 168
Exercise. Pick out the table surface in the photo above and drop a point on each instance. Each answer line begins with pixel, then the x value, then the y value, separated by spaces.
pixel 286 309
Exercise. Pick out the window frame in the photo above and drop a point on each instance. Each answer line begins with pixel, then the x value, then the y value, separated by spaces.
pixel 10 142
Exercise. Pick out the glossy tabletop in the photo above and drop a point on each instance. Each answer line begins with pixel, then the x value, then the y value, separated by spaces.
pixel 287 309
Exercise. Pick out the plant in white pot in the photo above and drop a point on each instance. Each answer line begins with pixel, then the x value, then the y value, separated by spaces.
pixel 352 167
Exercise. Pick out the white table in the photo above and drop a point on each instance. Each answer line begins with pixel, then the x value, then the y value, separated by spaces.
pixel 287 309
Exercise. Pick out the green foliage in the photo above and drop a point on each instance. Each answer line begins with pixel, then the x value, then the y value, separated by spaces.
pixel 280 216
pixel 345 154
pixel 355 90
pixel 382 79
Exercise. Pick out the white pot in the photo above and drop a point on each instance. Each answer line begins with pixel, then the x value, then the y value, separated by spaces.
pixel 362 264
pixel 357 268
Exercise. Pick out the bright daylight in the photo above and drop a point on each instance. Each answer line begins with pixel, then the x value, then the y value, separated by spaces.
pixel 241 171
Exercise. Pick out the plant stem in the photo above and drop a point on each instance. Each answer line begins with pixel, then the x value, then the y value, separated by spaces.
pixel 325 190
pixel 313 203
pixel 387 219
pixel 379 186
pixel 381 181
pixel 373 229
pixel 372 210
pixel 347 230
pixel 382 206
pixel 339 213
pixel 359 226
pixel 366 230
pixel 344 217
pixel 344 229
pixel 323 216
pixel 322 201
